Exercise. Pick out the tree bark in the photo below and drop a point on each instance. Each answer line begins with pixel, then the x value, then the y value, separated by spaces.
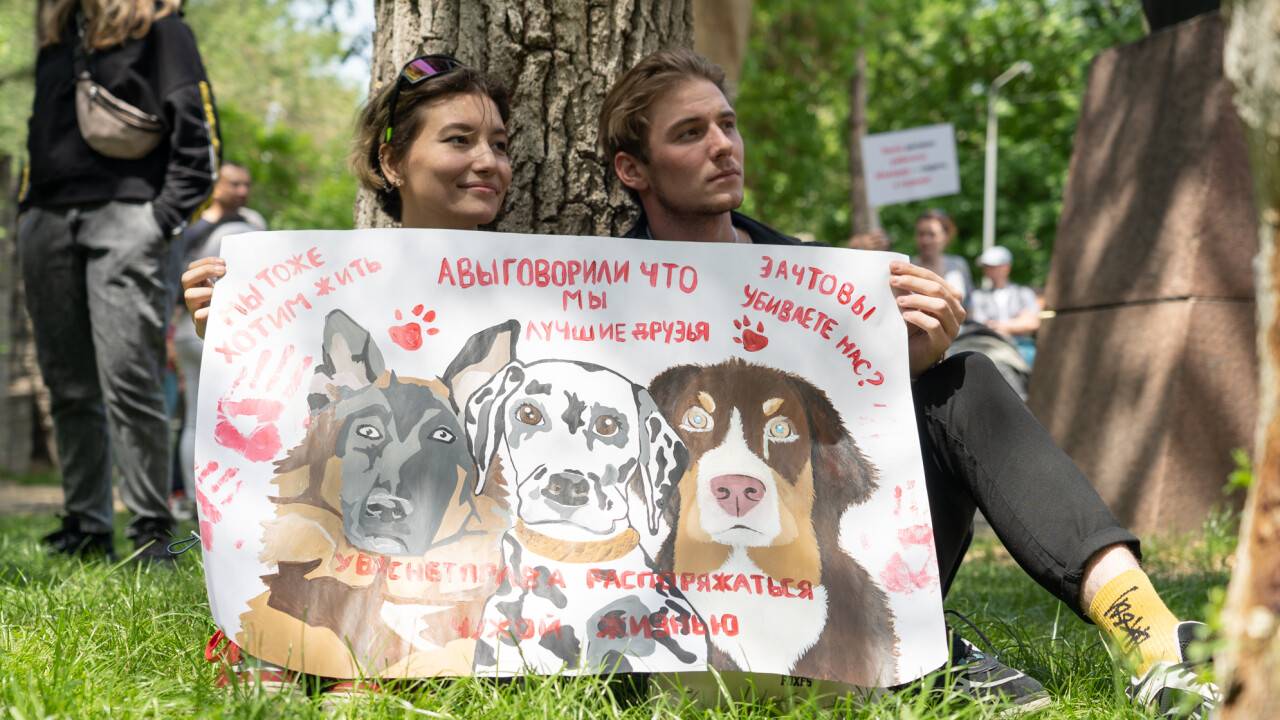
pixel 721 31
pixel 558 58
pixel 1249 668
pixel 863 216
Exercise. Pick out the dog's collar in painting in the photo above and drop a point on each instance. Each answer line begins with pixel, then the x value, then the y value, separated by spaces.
pixel 581 551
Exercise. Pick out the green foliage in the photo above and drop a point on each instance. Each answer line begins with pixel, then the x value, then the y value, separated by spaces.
pixel 278 69
pixel 1241 478
pixel 17 65
pixel 296 184
pixel 928 61
pixel 285 113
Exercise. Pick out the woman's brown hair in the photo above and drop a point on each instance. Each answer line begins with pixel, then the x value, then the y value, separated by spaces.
pixel 948 226
pixel 107 22
pixel 372 125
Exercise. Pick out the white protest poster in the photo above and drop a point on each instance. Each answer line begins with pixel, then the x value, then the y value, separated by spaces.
pixel 910 164
pixel 428 453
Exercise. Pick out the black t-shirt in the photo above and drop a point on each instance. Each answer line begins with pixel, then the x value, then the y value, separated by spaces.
pixel 759 233
pixel 161 73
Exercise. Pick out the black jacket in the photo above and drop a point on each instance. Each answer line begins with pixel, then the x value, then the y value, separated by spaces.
pixel 759 233
pixel 160 73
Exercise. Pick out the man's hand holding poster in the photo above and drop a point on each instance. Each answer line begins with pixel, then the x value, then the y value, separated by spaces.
pixel 449 453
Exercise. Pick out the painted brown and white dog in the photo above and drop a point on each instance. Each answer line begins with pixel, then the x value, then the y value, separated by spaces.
pixel 772 471
pixel 591 464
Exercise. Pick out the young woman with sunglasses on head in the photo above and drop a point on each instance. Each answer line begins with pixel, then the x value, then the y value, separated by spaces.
pixel 433 148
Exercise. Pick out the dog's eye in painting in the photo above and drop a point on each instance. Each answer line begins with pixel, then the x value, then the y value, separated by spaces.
pixel 696 420
pixel 781 430
pixel 605 426
pixel 529 414
pixel 442 435
pixel 369 432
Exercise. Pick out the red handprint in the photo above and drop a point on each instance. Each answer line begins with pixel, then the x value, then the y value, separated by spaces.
pixel 211 495
pixel 262 441
pixel 912 568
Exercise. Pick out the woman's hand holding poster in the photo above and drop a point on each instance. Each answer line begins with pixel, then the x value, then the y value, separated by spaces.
pixel 446 453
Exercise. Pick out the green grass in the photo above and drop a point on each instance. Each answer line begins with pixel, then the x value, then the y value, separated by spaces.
pixel 90 640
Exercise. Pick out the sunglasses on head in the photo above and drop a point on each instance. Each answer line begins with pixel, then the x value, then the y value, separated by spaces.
pixel 414 73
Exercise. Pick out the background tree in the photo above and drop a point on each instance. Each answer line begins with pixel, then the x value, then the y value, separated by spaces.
pixel 558 58
pixel 286 111
pixel 1250 667
pixel 928 61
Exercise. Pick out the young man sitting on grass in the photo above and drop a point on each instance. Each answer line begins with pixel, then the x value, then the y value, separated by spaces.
pixel 672 138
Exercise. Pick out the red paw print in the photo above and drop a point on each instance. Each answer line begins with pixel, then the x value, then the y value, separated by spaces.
pixel 247 425
pixel 751 340
pixel 212 494
pixel 409 335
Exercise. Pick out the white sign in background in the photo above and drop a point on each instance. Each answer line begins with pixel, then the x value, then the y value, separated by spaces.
pixel 824 315
pixel 910 164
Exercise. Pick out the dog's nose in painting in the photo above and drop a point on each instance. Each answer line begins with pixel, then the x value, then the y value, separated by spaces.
pixel 566 489
pixel 737 494
pixel 387 507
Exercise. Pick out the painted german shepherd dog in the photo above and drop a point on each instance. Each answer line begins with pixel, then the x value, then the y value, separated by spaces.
pixel 375 501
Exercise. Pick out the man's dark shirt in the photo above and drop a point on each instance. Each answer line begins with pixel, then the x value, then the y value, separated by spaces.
pixel 759 233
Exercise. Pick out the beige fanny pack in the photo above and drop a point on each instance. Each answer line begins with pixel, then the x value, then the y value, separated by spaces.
pixel 111 126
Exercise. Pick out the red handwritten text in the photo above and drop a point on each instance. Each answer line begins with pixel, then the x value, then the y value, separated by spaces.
pixel 664 331
pixel 670 275
pixel 861 366
pixel 713 582
pixel 809 277
pixel 275 276
pixel 593 301
pixel 352 271
pixel 539 272
pixel 788 311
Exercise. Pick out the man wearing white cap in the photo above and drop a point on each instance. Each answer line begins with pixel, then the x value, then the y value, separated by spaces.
pixel 1007 308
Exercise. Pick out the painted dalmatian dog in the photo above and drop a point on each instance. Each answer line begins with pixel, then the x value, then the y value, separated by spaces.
pixel 592 465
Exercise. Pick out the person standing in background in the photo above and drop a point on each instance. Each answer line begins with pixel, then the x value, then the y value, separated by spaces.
pixel 1007 308
pixel 226 215
pixel 229 204
pixel 934 232
pixel 94 244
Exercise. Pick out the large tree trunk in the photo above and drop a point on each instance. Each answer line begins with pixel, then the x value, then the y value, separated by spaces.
pixel 721 30
pixel 1250 666
pixel 558 58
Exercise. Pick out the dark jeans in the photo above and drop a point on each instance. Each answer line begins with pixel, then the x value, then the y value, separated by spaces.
pixel 984 450
pixel 95 288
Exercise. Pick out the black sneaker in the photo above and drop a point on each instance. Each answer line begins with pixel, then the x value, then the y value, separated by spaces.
pixel 151 538
pixel 987 680
pixel 71 540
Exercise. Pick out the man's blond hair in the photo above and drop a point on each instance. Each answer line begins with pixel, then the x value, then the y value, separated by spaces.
pixel 624 117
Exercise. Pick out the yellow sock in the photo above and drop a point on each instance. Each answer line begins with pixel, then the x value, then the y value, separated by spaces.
pixel 1130 612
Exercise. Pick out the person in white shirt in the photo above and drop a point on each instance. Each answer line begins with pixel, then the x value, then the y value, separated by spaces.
pixel 1008 308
